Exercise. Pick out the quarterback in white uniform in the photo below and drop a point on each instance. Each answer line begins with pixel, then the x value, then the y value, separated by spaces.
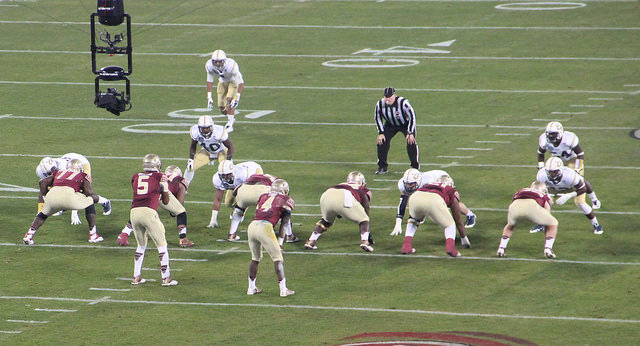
pixel 566 146
pixel 230 84
pixel 214 142
pixel 568 184
pixel 48 165
pixel 228 177
pixel 410 182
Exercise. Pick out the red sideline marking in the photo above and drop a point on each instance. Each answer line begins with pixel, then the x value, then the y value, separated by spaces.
pixel 445 337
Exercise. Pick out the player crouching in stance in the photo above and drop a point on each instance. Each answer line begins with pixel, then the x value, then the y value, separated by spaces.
pixel 70 190
pixel 178 188
pixel 531 204
pixel 435 200
pixel 149 188
pixel 351 200
pixel 273 207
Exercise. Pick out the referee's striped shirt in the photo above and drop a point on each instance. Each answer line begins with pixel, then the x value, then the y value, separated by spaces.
pixel 400 113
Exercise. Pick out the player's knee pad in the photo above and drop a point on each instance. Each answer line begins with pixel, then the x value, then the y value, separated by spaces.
pixel 586 209
pixel 90 209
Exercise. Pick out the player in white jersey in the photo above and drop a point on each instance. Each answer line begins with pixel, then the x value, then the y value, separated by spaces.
pixel 48 165
pixel 410 182
pixel 214 142
pixel 566 146
pixel 568 184
pixel 230 84
pixel 228 177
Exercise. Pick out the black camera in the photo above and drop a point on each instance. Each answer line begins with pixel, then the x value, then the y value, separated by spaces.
pixel 113 101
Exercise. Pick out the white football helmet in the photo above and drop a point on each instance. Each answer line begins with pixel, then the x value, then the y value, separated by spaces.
pixel 218 58
pixel 75 165
pixel 539 187
pixel 173 169
pixel 151 162
pixel 554 132
pixel 44 168
pixel 280 186
pixel 357 178
pixel 445 180
pixel 225 171
pixel 205 126
pixel 412 179
pixel 553 167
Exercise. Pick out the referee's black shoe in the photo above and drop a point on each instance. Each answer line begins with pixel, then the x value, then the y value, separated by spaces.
pixel 382 170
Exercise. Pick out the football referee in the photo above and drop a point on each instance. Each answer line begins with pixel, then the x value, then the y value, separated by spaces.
pixel 394 114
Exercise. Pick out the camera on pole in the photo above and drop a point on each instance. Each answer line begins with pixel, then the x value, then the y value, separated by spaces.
pixel 111 13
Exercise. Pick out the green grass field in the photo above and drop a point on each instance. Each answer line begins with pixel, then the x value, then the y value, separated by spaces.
pixel 481 101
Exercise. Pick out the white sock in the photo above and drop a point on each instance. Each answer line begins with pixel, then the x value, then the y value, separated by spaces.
pixel 288 230
pixel 138 259
pixel 411 229
pixel 163 254
pixel 315 236
pixel 470 213
pixel 182 231
pixel 214 216
pixel 127 229
pixel 504 241
pixel 450 232
pixel 102 200
pixel 236 218
pixel 283 284
pixel 93 230
pixel 548 242
pixel 594 222
pixel 188 175
pixel 364 236
pixel 252 284
pixel 592 196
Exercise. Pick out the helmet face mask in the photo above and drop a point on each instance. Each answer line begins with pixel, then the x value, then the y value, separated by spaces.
pixel 205 126
pixel 553 168
pixel 554 132
pixel 218 59
pixel 151 162
pixel 412 179
pixel 225 172
pixel 280 186
pixel 357 178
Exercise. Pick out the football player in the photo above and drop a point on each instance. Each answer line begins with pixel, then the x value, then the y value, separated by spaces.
pixel 150 187
pixel 246 195
pixel 48 165
pixel 69 189
pixel 178 188
pixel 531 204
pixel 410 182
pixel 434 200
pixel 570 184
pixel 273 207
pixel 230 84
pixel 229 177
pixel 349 200
pixel 564 145
pixel 215 143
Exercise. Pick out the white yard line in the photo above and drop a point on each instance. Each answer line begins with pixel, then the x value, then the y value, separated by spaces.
pixel 109 289
pixel 24 321
pixel 54 310
pixel 329 308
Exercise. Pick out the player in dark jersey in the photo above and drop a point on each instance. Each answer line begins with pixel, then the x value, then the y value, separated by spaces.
pixel 149 187
pixel 273 207
pixel 531 204
pixel 70 190
pixel 178 188
pixel 349 200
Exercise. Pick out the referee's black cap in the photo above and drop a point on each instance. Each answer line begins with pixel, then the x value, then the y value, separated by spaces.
pixel 389 91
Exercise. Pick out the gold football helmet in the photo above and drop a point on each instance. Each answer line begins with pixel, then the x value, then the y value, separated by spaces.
pixel 151 162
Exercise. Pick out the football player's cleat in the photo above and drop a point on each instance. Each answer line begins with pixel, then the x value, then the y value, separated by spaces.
pixel 138 280
pixel 310 245
pixel 501 253
pixel 406 246
pixel 106 208
pixel 598 229
pixel 168 282
pixel 536 229
pixel 123 239
pixel 382 170
pixel 28 239
pixel 287 293
pixel 253 291
pixel 450 248
pixel 184 242
pixel 95 238
pixel 364 245
pixel 470 221
pixel 549 253
pixel 233 237
pixel 291 239
pixel 58 213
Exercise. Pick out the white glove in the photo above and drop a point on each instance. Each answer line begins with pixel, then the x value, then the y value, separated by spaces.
pixel 209 101
pixel 233 104
pixel 190 165
pixel 397 230
pixel 212 224
pixel 564 197
pixel 75 220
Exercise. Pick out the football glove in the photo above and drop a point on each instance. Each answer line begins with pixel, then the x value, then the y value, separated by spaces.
pixel 233 104
pixel 190 165
pixel 564 197
pixel 397 230
pixel 75 219
pixel 209 101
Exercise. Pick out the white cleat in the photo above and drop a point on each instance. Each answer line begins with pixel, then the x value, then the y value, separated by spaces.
pixel 168 282
pixel 287 292
pixel 95 238
pixel 251 292
pixel 549 253
pixel 501 253
pixel 138 281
